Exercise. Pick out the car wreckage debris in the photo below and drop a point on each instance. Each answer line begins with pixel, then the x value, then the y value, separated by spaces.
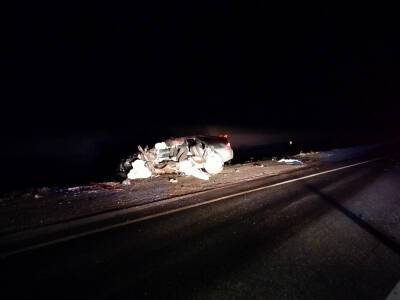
pixel 198 156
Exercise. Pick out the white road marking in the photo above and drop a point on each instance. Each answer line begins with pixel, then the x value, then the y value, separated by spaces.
pixel 168 212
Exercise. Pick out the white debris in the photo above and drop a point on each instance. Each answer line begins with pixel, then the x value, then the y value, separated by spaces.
pixel 197 156
pixel 214 163
pixel 160 146
pixel 189 168
pixel 173 180
pixel 139 170
pixel 290 161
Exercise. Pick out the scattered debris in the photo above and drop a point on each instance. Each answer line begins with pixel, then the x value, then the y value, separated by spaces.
pixel 214 163
pixel 173 180
pixel 237 170
pixel 199 156
pixel 139 170
pixel 189 168
pixel 290 161
pixel 305 154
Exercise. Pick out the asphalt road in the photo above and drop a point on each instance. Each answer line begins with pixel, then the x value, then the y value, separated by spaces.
pixel 331 236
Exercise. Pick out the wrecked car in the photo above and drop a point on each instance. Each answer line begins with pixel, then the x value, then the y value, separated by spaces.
pixel 197 156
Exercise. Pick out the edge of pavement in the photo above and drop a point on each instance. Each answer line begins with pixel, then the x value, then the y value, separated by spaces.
pixel 32 239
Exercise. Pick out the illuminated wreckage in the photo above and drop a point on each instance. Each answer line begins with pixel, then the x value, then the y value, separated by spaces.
pixel 199 156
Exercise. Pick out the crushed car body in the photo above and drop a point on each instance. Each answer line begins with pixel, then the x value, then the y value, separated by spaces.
pixel 198 156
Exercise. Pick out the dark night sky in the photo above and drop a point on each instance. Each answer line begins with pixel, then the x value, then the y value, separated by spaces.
pixel 95 64
pixel 145 67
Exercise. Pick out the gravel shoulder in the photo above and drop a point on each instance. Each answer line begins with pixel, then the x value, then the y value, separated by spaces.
pixel 45 206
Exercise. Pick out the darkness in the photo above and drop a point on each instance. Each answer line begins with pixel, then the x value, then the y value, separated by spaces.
pixel 83 83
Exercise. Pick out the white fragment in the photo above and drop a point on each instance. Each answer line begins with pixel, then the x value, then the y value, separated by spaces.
pixel 160 146
pixel 214 163
pixel 173 180
pixel 290 161
pixel 139 170
pixel 189 168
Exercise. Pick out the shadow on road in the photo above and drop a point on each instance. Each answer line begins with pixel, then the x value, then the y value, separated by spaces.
pixel 356 219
